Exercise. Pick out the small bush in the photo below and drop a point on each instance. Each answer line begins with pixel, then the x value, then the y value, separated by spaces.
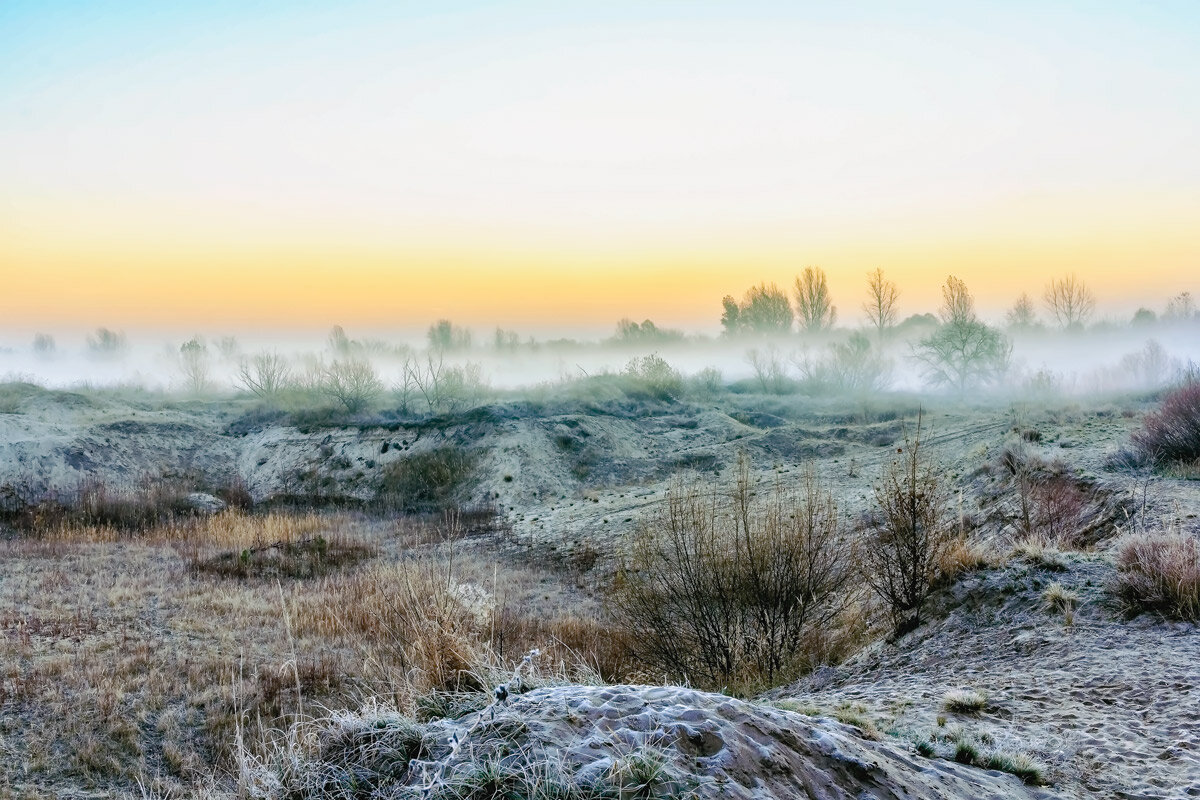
pixel 653 376
pixel 427 481
pixel 1172 434
pixel 724 587
pixel 909 538
pixel 1160 572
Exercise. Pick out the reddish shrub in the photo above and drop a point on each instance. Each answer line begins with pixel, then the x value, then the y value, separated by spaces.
pixel 1172 434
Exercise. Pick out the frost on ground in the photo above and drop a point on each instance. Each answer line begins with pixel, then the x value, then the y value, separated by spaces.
pixel 614 741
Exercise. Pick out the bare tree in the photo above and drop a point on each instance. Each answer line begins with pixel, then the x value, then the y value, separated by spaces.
pixel 1180 307
pixel 909 538
pixel 958 305
pixel 265 374
pixel 1022 317
pixel 1069 300
pixel 963 352
pixel 815 311
pixel 880 304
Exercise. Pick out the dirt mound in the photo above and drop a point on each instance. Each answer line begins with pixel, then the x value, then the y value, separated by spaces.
pixel 626 741
pixel 1111 706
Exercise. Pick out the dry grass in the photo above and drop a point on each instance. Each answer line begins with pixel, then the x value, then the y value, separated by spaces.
pixel 1160 572
pixel 122 662
pixel 1061 600
pixel 965 701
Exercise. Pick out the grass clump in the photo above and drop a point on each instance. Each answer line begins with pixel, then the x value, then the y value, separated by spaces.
pixel 965 701
pixel 1061 600
pixel 1160 572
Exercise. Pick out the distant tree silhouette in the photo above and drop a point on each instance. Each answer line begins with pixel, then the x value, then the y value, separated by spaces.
pixel 764 310
pixel 107 343
pixel 1144 317
pixel 444 336
pixel 193 361
pixel 1022 317
pixel 880 304
pixel 963 352
pixel 646 332
pixel 43 345
pixel 815 311
pixel 1070 301
pixel 1180 307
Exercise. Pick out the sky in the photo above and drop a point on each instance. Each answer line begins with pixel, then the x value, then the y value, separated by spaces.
pixel 543 165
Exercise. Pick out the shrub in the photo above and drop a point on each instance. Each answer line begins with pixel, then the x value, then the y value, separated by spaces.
pixel 352 382
pixel 654 376
pixel 426 481
pixel 265 375
pixel 1160 572
pixel 1172 433
pixel 726 587
pixel 909 539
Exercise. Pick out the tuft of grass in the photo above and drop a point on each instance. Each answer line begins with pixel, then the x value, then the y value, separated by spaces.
pixel 1160 572
pixel 1023 765
pixel 965 701
pixel 1061 600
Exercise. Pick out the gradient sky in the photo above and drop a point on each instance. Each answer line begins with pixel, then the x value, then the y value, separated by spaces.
pixel 240 164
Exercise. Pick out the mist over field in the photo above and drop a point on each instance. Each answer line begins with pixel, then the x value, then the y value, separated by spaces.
pixel 1106 356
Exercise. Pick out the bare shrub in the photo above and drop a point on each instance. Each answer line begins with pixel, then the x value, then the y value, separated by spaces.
pixel 1172 433
pixel 445 388
pixel 723 587
pixel 769 369
pixel 352 382
pixel 909 537
pixel 265 374
pixel 1160 572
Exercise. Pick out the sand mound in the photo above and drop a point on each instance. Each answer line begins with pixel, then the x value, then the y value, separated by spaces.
pixel 625 741
pixel 1110 705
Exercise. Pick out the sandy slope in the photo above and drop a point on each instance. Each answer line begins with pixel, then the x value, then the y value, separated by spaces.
pixel 1112 705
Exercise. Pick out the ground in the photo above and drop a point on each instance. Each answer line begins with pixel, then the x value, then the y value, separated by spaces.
pixel 127 659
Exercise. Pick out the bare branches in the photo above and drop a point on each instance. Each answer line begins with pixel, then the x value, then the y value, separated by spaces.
pixel 1070 301
pixel 880 304
pixel 815 311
